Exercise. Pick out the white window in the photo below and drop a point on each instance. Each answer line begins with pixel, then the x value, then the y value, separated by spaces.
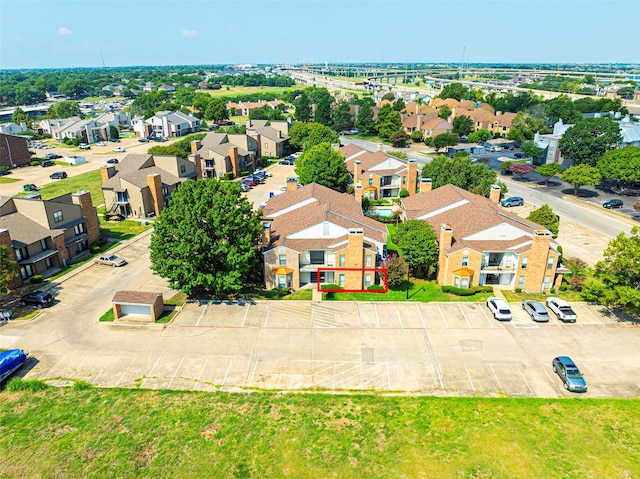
pixel 282 259
pixel 456 281
pixel 545 285
pixel 550 262
pixel 525 260
pixel 521 282
pixel 465 261
pixel 367 261
pixel 367 279
pixel 43 244
pixel 341 280
pixel 341 261
pixel 464 282
pixel 57 216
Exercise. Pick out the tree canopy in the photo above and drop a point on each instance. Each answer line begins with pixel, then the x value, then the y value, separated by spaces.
pixel 323 165
pixel 479 136
pixel 461 172
pixel 418 243
pixel 306 135
pixel 216 110
pixel 206 239
pixel 618 274
pixel 621 164
pixel 342 116
pixel 529 148
pixel 8 269
pixel 443 140
pixel 581 175
pixel 389 121
pixel 586 141
pixel 544 216
pixel 64 109
pixel 524 127
pixel 462 125
pixel 548 170
pixel 454 90
pixel 364 118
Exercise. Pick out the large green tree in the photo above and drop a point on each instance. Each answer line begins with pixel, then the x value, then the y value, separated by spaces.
pixel 64 109
pixel 454 90
pixel 206 239
pixel 443 140
pixel 323 165
pixel 581 175
pixel 444 112
pixel 342 117
pixel 618 274
pixel 388 122
pixel 529 148
pixel 323 111
pixel 302 104
pixel 461 172
pixel 524 127
pixel 560 108
pixel 548 170
pixel 586 141
pixel 621 164
pixel 419 245
pixel 8 269
pixel 216 110
pixel 364 118
pixel 545 216
pixel 462 125
pixel 306 135
pixel 479 136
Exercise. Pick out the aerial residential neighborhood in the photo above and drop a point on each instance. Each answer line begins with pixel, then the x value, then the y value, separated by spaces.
pixel 302 251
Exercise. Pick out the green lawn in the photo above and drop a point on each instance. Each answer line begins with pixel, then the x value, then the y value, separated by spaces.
pixel 112 433
pixel 568 295
pixel 123 230
pixel 5 180
pixel 247 90
pixel 420 290
pixel 90 181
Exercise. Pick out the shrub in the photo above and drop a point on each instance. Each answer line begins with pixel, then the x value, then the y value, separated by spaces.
pixel 466 291
pixel 518 290
pixel 228 175
pixel 18 384
pixel 34 163
pixel 575 282
pixel 244 173
pixel 95 248
pixel 552 290
pixel 416 136
pixel 403 193
pixel 35 279
pixel 4 168
pixel 332 286
pixel 375 287
pixel 564 286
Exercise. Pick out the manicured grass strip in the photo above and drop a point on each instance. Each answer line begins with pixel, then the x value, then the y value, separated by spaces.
pixel 80 432
pixel 568 295
pixel 4 180
pixel 90 181
pixel 123 230
pixel 108 316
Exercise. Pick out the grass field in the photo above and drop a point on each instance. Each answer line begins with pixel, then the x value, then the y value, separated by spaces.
pixel 82 432
pixel 90 181
pixel 246 90
pixel 5 180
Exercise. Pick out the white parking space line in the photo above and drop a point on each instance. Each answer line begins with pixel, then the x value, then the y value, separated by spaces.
pixel 150 372
pixel 195 384
pixel 436 366
pixel 421 321
pixel 491 321
pixel 202 314
pixel 525 380
pixel 470 380
pixel 593 315
pixel 227 372
pixel 125 371
pixel 377 318
pixel 266 316
pixel 246 312
pixel 464 315
pixel 495 377
pixel 442 316
pixel 176 372
pixel 253 372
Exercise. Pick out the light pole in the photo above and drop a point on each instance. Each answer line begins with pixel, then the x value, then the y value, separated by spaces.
pixel 408 260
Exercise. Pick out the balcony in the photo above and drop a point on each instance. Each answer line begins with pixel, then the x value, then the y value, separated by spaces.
pixel 38 257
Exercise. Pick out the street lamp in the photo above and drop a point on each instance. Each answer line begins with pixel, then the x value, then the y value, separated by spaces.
pixel 408 260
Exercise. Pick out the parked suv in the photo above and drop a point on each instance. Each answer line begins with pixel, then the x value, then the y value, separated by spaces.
pixel 499 308
pixel 537 312
pixel 46 163
pixel 513 201
pixel 41 299
pixel 613 204
pixel 58 175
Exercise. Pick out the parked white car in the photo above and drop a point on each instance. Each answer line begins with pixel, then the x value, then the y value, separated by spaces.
pixel 499 308
pixel 119 149
pixel 111 260
pixel 562 310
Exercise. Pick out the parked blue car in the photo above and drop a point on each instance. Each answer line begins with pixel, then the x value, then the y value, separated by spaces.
pixel 513 201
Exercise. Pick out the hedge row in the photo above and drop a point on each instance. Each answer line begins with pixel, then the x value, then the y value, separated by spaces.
pixel 467 291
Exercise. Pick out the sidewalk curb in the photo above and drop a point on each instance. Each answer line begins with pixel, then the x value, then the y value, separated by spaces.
pixel 600 209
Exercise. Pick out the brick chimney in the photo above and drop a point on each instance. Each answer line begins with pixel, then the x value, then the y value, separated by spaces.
pixel 155 188
pixel 356 172
pixel 83 198
pixel 537 264
pixel 279 133
pixel 292 183
pixel 380 147
pixel 195 145
pixel 266 233
pixel 195 159
pixel 426 184
pixel 494 194
pixel 445 241
pixel 358 191
pixel 235 161
pixel 354 258
pixel 107 172
pixel 412 177
pixel 419 123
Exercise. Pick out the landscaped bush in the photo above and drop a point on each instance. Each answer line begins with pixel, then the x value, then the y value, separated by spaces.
pixel 564 286
pixel 228 175
pixel 518 290
pixel 467 291
pixel 375 287
pixel 95 248
pixel 34 163
pixel 244 173
pixel 403 193
pixel 4 168
pixel 35 279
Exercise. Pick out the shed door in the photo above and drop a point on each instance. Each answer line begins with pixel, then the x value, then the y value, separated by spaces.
pixel 134 309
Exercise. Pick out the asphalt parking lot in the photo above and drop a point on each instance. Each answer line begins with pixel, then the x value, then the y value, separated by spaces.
pixel 437 349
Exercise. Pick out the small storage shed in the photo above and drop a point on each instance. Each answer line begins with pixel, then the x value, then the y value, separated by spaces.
pixel 143 305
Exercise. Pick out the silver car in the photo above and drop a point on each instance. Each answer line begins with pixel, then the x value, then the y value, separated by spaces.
pixel 537 312
pixel 111 260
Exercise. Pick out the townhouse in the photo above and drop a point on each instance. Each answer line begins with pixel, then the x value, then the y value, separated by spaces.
pixel 316 235
pixel 220 154
pixel 272 137
pixel 14 151
pixel 88 131
pixel 45 236
pixel 377 175
pixel 141 184
pixel 166 124
pixel 481 244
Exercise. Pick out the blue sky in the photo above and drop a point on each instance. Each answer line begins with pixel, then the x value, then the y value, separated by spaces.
pixel 50 34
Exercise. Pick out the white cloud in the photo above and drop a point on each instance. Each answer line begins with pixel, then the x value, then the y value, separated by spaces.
pixel 64 31
pixel 189 33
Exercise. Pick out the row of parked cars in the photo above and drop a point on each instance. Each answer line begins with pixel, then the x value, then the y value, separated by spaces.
pixel 563 366
pixel 255 179
pixel 538 313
